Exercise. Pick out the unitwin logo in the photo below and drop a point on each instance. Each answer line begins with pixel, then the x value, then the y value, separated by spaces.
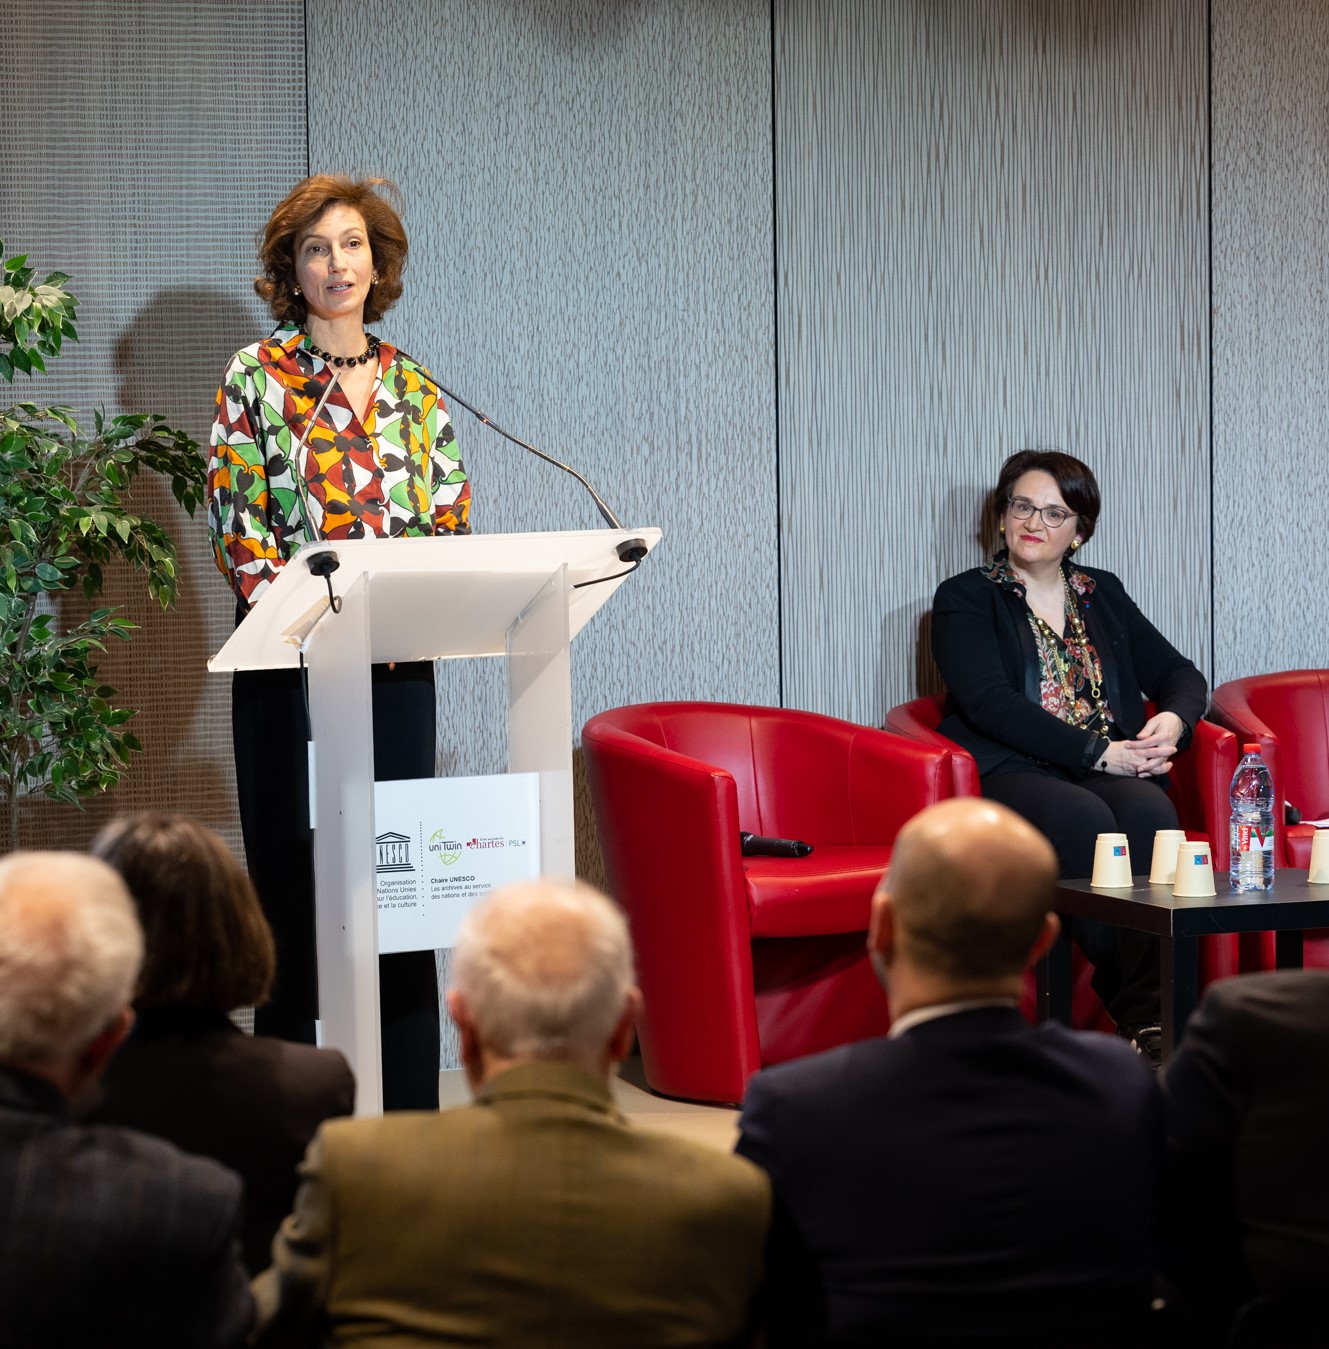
pixel 446 851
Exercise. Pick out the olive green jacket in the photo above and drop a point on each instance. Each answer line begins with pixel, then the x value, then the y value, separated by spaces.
pixel 534 1217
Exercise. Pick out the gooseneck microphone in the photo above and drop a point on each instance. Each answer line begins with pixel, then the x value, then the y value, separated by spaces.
pixel 630 550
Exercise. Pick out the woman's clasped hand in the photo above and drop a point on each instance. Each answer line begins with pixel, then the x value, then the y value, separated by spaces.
pixel 1150 753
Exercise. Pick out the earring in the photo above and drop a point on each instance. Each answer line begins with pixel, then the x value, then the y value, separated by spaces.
pixel 296 289
pixel 373 280
pixel 1075 543
pixel 1001 529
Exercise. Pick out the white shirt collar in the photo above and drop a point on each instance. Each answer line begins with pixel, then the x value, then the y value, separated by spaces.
pixel 939 1009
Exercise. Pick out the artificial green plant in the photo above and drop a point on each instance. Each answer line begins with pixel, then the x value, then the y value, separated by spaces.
pixel 64 514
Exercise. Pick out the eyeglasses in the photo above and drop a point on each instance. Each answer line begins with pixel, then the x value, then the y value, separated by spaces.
pixel 1052 516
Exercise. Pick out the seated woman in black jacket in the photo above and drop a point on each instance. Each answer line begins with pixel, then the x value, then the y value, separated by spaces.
pixel 186 1073
pixel 1048 665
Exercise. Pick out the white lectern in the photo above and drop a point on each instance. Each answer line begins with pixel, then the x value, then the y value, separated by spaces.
pixel 519 596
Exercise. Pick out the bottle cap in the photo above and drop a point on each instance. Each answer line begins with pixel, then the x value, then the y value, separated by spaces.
pixel 1250 749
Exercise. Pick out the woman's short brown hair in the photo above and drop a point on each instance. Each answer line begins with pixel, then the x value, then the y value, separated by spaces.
pixel 295 216
pixel 208 943
pixel 1075 481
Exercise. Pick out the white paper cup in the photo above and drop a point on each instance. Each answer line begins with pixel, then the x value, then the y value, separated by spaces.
pixel 1163 868
pixel 1319 874
pixel 1112 863
pixel 1195 871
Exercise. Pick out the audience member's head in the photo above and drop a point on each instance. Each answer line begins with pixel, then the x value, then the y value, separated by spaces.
pixel 965 905
pixel 543 970
pixel 208 945
pixel 70 950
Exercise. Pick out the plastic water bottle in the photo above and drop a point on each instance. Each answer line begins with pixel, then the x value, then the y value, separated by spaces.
pixel 1252 835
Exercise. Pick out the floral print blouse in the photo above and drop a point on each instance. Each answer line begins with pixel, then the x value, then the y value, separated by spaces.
pixel 1068 699
pixel 395 473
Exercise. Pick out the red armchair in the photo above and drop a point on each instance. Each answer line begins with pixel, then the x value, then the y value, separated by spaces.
pixel 748 961
pixel 1201 778
pixel 1287 714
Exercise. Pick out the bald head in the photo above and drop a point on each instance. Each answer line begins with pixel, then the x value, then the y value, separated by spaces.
pixel 544 970
pixel 70 950
pixel 970 885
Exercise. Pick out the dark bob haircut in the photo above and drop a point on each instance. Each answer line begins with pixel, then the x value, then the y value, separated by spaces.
pixel 208 945
pixel 1075 481
pixel 296 215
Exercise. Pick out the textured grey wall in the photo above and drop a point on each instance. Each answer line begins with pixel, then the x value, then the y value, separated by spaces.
pixel 143 142
pixel 588 191
pixel 1271 314
pixel 991 231
pixel 990 220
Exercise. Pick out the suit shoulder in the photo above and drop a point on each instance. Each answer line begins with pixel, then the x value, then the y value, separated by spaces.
pixel 819 1081
pixel 696 1182
pixel 1104 1059
pixel 964 583
pixel 707 1165
pixel 151 1166
pixel 830 1064
pixel 347 1142
pixel 316 1071
pixel 130 1147
pixel 1270 995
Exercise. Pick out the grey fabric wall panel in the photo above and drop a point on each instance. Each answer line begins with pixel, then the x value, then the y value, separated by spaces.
pixel 143 145
pixel 1271 358
pixel 991 233
pixel 588 191
pixel 588 194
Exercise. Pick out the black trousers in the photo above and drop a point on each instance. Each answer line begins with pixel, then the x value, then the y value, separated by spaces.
pixel 272 780
pixel 1072 813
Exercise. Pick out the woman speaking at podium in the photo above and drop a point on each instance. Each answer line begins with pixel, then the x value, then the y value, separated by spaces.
pixel 323 431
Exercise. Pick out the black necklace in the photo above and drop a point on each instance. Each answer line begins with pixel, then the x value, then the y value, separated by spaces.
pixel 368 354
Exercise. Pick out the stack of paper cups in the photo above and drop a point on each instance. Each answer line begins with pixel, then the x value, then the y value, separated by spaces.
pixel 1163 871
pixel 1112 863
pixel 1320 858
pixel 1195 871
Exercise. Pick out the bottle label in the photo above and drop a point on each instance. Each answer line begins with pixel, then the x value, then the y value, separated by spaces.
pixel 1250 838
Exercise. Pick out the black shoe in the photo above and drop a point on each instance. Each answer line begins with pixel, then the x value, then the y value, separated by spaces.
pixel 1147 1041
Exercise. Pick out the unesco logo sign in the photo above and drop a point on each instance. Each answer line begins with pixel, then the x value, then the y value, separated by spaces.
pixel 393 853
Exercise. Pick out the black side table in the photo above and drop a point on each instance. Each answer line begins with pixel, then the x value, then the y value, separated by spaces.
pixel 1287 910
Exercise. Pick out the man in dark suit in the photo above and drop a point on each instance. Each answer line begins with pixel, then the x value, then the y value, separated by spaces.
pixel 106 1237
pixel 969 1179
pixel 1246 1103
pixel 536 1216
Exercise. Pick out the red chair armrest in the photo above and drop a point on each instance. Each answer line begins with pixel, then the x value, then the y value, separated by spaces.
pixel 891 779
pixel 668 829
pixel 1229 709
pixel 1201 786
pixel 917 720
